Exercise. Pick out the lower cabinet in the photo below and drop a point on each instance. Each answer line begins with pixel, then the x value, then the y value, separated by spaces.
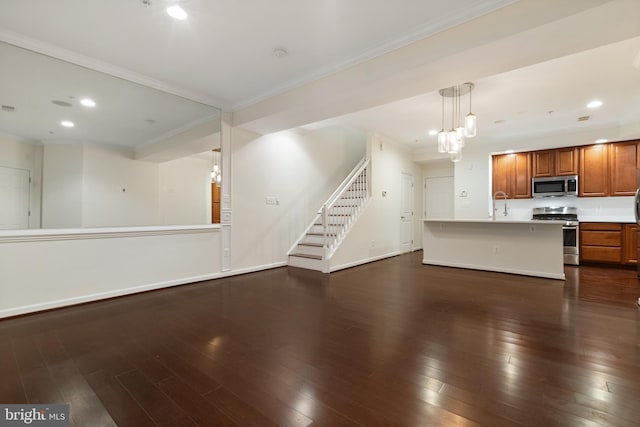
pixel 607 242
pixel 630 244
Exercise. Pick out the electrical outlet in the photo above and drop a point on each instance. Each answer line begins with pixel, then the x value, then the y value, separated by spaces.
pixel 271 200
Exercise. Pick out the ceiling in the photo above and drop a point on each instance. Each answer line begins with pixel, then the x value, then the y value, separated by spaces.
pixel 531 102
pixel 535 63
pixel 224 50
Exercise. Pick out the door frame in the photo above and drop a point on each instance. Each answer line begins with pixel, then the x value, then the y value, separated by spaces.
pixel 411 206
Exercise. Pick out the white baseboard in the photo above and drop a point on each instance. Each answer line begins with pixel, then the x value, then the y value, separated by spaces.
pixel 363 261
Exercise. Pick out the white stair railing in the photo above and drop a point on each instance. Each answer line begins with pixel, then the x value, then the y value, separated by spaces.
pixel 338 213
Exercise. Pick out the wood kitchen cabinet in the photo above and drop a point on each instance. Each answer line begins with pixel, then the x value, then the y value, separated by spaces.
pixel 623 162
pixel 558 162
pixel 594 171
pixel 601 242
pixel 603 169
pixel 512 174
pixel 630 244
pixel 215 203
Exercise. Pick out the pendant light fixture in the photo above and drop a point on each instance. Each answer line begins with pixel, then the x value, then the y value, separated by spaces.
pixel 470 121
pixel 453 142
pixel 442 135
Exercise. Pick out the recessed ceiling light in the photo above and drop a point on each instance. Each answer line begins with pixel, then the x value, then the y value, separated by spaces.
pixel 176 12
pixel 87 102
pixel 67 123
pixel 594 104
pixel 433 132
pixel 601 141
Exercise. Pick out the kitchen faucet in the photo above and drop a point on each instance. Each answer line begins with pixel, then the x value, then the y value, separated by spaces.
pixel 506 209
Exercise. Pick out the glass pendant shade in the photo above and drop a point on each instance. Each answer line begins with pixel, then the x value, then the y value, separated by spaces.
pixel 452 142
pixel 442 141
pixel 470 123
pixel 460 136
pixel 456 157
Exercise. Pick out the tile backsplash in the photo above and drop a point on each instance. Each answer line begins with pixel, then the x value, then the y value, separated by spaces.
pixel 604 209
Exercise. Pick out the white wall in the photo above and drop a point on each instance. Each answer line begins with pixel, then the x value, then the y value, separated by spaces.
pixel 42 270
pixel 300 171
pixel 185 191
pixel 62 173
pixel 18 154
pixel 376 233
pixel 95 186
pixel 118 191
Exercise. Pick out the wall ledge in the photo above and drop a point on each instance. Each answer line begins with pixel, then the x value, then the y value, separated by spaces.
pixel 39 235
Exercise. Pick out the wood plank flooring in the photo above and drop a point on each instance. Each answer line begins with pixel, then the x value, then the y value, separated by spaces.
pixel 391 343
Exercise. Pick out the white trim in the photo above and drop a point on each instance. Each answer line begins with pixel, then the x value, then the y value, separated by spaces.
pixel 364 261
pixel 254 269
pixel 33 308
pixel 496 269
pixel 36 235
pixel 412 207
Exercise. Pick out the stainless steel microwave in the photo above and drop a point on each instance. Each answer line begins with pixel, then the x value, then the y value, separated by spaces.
pixel 555 186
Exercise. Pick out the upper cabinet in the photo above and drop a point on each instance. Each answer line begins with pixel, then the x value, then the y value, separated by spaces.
pixel 512 174
pixel 593 180
pixel 558 162
pixel 623 162
pixel 608 169
pixel 603 169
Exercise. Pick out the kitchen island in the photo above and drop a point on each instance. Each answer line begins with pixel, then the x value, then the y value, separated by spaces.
pixel 531 248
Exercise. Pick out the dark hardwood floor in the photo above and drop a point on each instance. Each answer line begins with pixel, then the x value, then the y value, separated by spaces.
pixel 392 343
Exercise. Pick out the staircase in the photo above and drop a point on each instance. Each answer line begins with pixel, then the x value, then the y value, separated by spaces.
pixel 314 248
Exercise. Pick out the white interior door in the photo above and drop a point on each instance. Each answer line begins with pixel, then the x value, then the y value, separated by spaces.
pixel 406 215
pixel 438 197
pixel 14 198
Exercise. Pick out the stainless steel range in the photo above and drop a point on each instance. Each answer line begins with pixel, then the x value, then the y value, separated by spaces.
pixel 570 229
